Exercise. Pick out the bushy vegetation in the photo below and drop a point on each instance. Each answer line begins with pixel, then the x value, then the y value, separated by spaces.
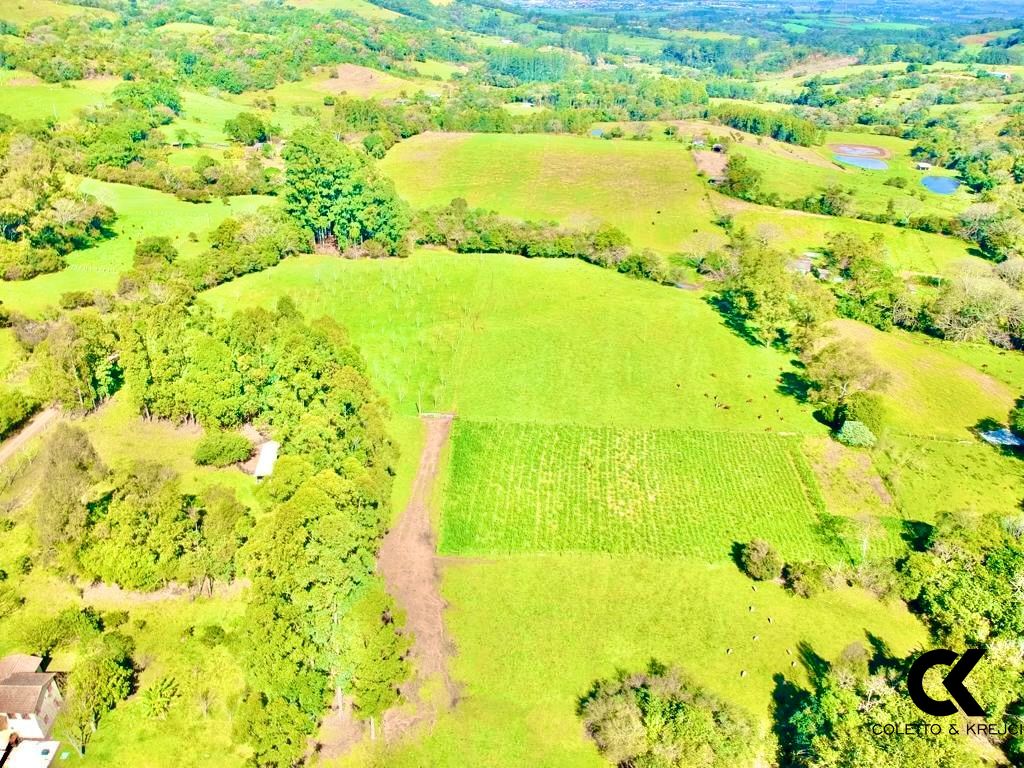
pixel 661 718
pixel 220 449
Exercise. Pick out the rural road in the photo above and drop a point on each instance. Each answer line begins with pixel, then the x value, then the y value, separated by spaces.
pixel 35 427
pixel 409 566
pixel 408 563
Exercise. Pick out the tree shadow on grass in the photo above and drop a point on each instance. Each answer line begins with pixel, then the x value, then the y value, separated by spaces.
pixel 792 384
pixel 733 320
pixel 787 699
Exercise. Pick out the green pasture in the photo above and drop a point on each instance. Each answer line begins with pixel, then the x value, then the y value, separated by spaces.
pixel 26 98
pixel 930 392
pixel 635 44
pixel 534 632
pixel 793 178
pixel 141 213
pixel 121 437
pixel 555 488
pixel 928 477
pixel 909 250
pixel 503 338
pixel 21 12
pixel 363 8
pixel 647 189
pixel 203 116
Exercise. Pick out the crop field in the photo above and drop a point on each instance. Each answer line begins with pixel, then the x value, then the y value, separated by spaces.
pixel 97 268
pixel 650 190
pixel 535 631
pixel 532 488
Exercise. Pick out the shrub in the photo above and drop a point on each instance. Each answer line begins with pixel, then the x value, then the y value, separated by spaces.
pixel 804 579
pixel 10 601
pixel 897 181
pixel 868 408
pixel 219 449
pixel 15 408
pixel 212 635
pixel 856 435
pixel 760 561
pixel 114 619
pixel 77 299
pixel 154 251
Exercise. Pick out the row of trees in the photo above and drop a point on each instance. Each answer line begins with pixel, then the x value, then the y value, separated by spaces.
pixel 475 230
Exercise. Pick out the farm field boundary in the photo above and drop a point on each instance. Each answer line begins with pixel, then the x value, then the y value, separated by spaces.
pixel 517 488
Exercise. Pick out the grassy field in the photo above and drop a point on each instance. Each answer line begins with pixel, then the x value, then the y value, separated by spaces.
pixel 534 632
pixel 21 12
pixel 502 338
pixel 793 178
pixel 647 189
pixel 358 7
pixel 930 392
pixel 24 97
pixel 529 488
pixel 97 268
pixel 908 251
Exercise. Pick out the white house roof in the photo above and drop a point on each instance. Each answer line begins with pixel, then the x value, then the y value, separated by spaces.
pixel 32 754
pixel 267 458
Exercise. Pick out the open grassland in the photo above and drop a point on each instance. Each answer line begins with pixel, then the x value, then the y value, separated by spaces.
pixel 141 213
pixel 121 436
pixel 930 392
pixel 502 338
pixel 793 178
pixel 203 116
pixel 530 488
pixel 929 477
pixel 648 189
pixel 534 633
pixel 909 251
pixel 21 12
pixel 26 98
pixel 358 7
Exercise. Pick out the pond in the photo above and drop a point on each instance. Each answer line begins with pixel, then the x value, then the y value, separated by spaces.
pixel 870 163
pixel 941 185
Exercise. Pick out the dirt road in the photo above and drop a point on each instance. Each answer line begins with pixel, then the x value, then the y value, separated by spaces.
pixel 35 427
pixel 408 563
pixel 409 566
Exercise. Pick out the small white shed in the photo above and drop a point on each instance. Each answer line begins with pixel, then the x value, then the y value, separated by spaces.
pixel 266 460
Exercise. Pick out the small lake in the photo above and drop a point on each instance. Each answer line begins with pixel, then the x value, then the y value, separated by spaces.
pixel 941 185
pixel 869 163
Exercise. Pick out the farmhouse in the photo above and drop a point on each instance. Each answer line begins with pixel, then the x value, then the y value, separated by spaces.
pixel 29 697
pixel 923 166
pixel 266 459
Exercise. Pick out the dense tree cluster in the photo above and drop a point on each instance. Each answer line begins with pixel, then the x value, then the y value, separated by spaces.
pixel 661 718
pixel 41 217
pixel 777 125
pixel 338 195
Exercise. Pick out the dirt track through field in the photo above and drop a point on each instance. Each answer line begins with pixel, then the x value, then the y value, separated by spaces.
pixel 35 427
pixel 408 563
